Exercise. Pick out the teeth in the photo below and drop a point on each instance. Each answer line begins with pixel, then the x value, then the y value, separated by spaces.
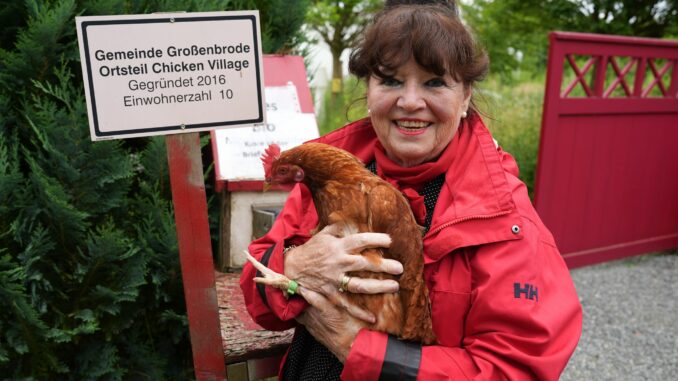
pixel 411 124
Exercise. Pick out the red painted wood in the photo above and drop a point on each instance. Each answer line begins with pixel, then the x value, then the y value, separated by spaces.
pixel 579 81
pixel 240 186
pixel 673 89
pixel 620 73
pixel 607 174
pixel 640 77
pixel 611 40
pixel 279 70
pixel 251 186
pixel 599 81
pixel 195 251
pixel 598 106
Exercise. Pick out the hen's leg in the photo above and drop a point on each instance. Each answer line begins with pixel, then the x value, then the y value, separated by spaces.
pixel 270 278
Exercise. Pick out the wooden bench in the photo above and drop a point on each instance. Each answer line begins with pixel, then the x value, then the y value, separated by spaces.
pixel 250 352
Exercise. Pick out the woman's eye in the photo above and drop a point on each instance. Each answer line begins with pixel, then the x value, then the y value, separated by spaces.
pixel 390 82
pixel 436 82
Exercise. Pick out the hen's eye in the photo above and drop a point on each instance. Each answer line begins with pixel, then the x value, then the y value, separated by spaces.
pixel 283 171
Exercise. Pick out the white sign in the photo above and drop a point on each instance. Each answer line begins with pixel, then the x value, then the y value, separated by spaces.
pixel 282 98
pixel 169 73
pixel 238 151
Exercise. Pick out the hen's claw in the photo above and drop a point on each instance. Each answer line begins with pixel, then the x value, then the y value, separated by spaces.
pixel 270 277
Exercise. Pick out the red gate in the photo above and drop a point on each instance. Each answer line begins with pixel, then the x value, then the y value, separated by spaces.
pixel 607 174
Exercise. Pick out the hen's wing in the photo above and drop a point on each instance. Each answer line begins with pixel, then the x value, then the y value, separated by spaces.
pixel 389 212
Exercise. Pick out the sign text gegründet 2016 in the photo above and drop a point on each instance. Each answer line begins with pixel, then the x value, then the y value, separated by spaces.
pixel 167 73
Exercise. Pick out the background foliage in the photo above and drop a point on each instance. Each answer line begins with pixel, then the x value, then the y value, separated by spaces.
pixel 339 23
pixel 90 283
pixel 515 32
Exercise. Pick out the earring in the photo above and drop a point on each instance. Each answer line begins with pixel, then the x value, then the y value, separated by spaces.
pixel 464 114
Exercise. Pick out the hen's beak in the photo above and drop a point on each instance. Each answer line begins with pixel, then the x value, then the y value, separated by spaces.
pixel 267 184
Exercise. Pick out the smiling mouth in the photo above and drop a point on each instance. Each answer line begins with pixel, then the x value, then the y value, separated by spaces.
pixel 411 125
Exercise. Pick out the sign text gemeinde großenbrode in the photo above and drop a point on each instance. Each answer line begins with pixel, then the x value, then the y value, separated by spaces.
pixel 158 74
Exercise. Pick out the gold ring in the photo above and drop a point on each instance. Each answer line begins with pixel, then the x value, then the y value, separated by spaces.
pixel 343 285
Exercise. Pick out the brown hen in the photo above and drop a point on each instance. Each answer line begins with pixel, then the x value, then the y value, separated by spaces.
pixel 346 193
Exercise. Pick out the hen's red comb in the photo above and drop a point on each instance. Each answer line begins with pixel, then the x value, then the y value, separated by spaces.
pixel 271 154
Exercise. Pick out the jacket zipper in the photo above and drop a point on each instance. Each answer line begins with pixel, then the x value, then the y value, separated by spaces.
pixel 467 218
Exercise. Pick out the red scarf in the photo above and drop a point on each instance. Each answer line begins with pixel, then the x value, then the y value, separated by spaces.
pixel 409 180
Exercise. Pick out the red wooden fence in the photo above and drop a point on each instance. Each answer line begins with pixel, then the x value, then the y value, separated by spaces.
pixel 607 173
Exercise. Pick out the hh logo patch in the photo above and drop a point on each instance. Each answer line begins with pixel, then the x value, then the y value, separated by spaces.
pixel 528 291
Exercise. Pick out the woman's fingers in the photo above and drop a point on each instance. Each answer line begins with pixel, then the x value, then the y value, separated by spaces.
pixel 321 262
pixel 372 286
pixel 335 299
pixel 383 265
pixel 313 298
pixel 361 241
pixel 338 300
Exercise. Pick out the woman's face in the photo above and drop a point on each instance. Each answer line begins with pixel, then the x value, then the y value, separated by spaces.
pixel 415 113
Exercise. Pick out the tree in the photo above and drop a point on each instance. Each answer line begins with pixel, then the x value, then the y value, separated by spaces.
pixel 281 22
pixel 520 40
pixel 90 283
pixel 339 24
pixel 628 17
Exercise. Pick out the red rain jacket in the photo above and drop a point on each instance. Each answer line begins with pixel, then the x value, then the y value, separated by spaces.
pixel 503 304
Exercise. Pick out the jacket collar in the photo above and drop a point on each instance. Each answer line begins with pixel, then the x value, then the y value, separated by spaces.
pixel 475 205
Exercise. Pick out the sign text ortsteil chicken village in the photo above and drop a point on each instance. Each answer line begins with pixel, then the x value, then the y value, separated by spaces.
pixel 168 73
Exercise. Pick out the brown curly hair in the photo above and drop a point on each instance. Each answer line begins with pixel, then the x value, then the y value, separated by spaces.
pixel 432 34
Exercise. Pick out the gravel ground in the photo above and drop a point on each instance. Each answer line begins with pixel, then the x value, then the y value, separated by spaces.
pixel 630 320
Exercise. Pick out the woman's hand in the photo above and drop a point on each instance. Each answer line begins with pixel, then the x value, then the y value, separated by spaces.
pixel 321 263
pixel 329 324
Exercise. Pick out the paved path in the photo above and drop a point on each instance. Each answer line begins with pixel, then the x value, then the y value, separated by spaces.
pixel 630 320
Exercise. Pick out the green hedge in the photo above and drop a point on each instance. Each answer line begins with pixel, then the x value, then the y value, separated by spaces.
pixel 513 114
pixel 90 283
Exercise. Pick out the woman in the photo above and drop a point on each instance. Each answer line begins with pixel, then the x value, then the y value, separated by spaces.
pixel 503 303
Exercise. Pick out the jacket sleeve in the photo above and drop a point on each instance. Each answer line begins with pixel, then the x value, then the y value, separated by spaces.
pixel 268 306
pixel 523 322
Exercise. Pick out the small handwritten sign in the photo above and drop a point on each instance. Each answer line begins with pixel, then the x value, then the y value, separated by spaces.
pixel 238 150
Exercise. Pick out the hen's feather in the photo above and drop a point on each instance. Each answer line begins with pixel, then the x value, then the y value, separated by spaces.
pixel 346 193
